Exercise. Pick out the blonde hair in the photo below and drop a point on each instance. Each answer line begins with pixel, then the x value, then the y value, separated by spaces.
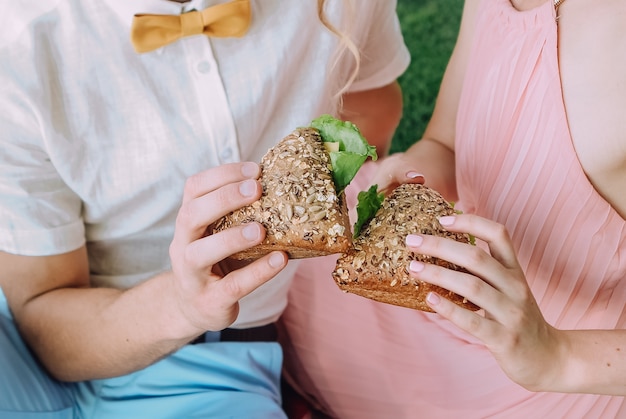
pixel 346 45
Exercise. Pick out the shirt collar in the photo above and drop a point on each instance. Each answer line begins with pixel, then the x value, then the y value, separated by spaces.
pixel 126 9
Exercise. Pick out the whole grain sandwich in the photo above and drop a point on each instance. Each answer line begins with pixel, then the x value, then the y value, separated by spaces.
pixel 377 265
pixel 302 206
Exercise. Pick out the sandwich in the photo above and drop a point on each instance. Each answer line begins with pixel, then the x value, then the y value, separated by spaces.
pixel 376 267
pixel 303 206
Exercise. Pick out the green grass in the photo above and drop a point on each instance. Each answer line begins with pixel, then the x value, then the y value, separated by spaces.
pixel 430 28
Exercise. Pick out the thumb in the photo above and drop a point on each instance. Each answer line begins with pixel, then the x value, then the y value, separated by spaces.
pixel 388 181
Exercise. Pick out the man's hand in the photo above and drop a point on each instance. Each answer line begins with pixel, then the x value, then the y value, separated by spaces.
pixel 208 299
pixel 81 333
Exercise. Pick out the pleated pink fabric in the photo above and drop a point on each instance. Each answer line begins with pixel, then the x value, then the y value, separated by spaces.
pixel 355 358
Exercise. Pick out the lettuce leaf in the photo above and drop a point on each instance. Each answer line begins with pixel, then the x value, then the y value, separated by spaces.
pixel 353 148
pixel 345 165
pixel 368 203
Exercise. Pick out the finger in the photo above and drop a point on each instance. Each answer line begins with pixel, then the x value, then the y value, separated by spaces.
pixel 242 282
pixel 204 253
pixel 408 177
pixel 472 258
pixel 512 280
pixel 471 322
pixel 195 215
pixel 492 233
pixel 210 180
pixel 479 292
pixel 393 171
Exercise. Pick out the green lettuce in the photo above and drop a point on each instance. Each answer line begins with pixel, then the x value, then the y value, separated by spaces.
pixel 368 203
pixel 353 148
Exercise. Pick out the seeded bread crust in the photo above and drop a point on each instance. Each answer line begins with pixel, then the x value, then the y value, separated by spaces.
pixel 299 207
pixel 377 266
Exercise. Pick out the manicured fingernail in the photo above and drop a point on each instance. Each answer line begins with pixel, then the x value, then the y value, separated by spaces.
pixel 251 232
pixel 247 187
pixel 433 299
pixel 277 260
pixel 447 220
pixel 416 266
pixel 250 169
pixel 413 175
pixel 414 240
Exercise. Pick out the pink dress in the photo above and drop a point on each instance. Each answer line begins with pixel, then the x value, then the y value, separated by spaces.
pixel 355 358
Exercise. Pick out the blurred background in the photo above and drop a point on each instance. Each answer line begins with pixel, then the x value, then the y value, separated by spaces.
pixel 430 28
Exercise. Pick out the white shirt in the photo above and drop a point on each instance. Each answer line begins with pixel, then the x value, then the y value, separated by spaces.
pixel 96 141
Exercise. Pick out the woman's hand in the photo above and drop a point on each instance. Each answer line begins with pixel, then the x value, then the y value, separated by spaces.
pixel 527 348
pixel 207 297
pixel 394 171
pixel 428 162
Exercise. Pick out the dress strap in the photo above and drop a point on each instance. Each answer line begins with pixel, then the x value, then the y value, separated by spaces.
pixel 557 3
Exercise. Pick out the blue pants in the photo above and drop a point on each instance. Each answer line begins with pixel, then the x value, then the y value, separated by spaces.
pixel 209 380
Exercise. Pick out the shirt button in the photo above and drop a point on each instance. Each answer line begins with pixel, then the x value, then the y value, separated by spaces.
pixel 204 67
pixel 226 153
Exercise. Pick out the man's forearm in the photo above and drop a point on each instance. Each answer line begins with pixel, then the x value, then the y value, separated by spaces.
pixel 89 333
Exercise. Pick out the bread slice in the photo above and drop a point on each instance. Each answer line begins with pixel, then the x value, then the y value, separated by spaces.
pixel 377 266
pixel 299 207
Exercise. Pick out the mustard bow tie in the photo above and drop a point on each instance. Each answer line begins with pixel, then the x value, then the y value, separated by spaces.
pixel 150 32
